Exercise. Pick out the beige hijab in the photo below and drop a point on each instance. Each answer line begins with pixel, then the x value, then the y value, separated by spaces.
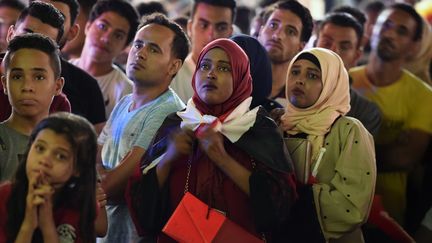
pixel 334 101
pixel 419 63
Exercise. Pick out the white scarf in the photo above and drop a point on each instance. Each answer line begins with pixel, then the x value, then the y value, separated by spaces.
pixel 233 127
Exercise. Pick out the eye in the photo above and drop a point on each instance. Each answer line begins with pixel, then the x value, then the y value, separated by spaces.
pixel 153 50
pixel 40 77
pixel 39 148
pixel 16 76
pixel 101 26
pixel 312 76
pixel 138 45
pixel 204 66
pixel 224 69
pixel 295 72
pixel 61 156
pixel 202 25
pixel 119 36
pixel 221 28
pixel 291 32
pixel 273 25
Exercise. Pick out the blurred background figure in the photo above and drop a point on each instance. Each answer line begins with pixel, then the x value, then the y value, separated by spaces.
pixel 9 13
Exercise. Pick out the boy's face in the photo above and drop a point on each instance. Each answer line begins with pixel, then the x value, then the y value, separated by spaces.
pixel 29 82
pixel 106 36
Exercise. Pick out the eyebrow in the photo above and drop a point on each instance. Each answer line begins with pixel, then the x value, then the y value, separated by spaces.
pixel 152 44
pixel 208 22
pixel 67 150
pixel 310 69
pixel 116 30
pixel 33 69
pixel 219 61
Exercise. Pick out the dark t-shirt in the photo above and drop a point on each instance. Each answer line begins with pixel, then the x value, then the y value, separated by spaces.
pixel 83 92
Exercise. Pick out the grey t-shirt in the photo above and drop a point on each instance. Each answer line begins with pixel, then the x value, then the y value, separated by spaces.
pixel 12 147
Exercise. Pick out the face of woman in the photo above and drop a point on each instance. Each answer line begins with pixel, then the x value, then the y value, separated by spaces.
pixel 213 79
pixel 304 83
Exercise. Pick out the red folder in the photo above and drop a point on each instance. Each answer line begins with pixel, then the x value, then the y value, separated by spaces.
pixel 194 222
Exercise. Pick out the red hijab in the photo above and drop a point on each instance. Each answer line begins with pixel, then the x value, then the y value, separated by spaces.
pixel 242 81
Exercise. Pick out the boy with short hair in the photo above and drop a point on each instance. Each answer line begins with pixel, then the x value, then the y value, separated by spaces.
pixel 31 79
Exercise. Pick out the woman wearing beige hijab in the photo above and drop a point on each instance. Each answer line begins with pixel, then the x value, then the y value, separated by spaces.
pixel 337 198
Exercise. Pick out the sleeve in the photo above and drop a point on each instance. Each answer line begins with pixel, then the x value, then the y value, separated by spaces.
pixel 420 109
pixel 272 194
pixel 148 205
pixel 344 203
pixel 427 220
pixel 60 103
pixel 151 125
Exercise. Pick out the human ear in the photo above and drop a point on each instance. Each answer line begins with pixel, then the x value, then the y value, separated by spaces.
pixel 59 83
pixel 10 33
pixel 3 80
pixel 73 32
pixel 175 66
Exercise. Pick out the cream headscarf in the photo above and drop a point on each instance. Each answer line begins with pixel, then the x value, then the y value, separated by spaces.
pixel 419 63
pixel 334 100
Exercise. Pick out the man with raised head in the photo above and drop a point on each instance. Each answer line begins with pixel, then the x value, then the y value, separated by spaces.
pixel 158 51
pixel 288 27
pixel 111 27
pixel 404 101
pixel 210 20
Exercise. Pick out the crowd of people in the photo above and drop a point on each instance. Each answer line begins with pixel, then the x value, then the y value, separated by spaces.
pixel 115 117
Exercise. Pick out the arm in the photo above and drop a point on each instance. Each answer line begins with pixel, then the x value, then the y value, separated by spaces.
pixel 114 181
pixel 352 186
pixel 404 153
pixel 101 222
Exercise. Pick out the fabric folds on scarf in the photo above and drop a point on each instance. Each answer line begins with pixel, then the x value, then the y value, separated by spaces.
pixel 333 101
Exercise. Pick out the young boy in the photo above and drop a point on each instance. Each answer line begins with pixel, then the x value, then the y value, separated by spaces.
pixel 31 79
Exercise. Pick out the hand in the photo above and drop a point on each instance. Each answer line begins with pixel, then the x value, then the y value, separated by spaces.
pixel 32 202
pixel 101 197
pixel 45 209
pixel 212 143
pixel 276 115
pixel 180 144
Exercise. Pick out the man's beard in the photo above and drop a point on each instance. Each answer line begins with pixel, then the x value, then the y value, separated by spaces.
pixel 386 50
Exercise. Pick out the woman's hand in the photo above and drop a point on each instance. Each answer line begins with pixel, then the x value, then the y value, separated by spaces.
pixel 45 209
pixel 33 200
pixel 180 144
pixel 212 143
pixel 276 115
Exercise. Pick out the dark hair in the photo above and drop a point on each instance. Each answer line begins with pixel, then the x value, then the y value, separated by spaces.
pixel 46 13
pixel 78 193
pixel 356 13
pixel 120 7
pixel 85 6
pixel 38 42
pixel 231 4
pixel 73 8
pixel 148 8
pixel 344 20
pixel 15 4
pixel 417 18
pixel 298 9
pixel 375 6
pixel 180 44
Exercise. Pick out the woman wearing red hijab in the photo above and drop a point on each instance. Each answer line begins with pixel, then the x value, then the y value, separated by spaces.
pixel 231 158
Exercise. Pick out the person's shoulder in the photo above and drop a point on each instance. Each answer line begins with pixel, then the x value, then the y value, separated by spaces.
pixel 170 100
pixel 347 124
pixel 70 71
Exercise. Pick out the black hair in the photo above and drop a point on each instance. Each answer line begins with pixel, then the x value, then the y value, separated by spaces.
pixel 78 193
pixel 344 20
pixel 375 6
pixel 231 4
pixel 356 13
pixel 298 9
pixel 148 8
pixel 180 44
pixel 38 42
pixel 46 13
pixel 417 18
pixel 310 57
pixel 86 6
pixel 120 7
pixel 73 8
pixel 15 4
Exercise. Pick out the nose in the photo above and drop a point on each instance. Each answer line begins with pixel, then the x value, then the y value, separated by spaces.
pixel 300 81
pixel 141 54
pixel 211 73
pixel 45 161
pixel 278 34
pixel 211 33
pixel 27 85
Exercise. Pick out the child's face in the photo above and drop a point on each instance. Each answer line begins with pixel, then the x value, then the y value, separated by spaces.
pixel 52 156
pixel 304 83
pixel 30 83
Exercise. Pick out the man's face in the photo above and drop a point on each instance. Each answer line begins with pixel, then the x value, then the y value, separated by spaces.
pixel 209 23
pixel 392 37
pixel 64 9
pixel 33 25
pixel 8 17
pixel 281 34
pixel 30 83
pixel 150 61
pixel 106 37
pixel 342 40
